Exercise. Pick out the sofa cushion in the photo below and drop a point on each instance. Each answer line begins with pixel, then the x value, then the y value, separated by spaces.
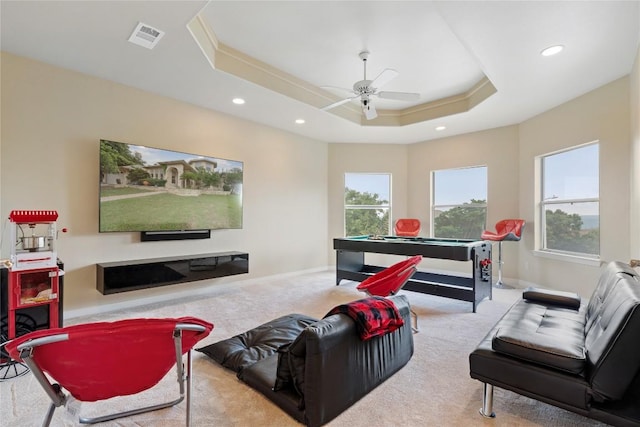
pixel 552 351
pixel 547 335
pixel 245 349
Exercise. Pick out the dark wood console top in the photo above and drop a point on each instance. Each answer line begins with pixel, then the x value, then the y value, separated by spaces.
pixel 169 259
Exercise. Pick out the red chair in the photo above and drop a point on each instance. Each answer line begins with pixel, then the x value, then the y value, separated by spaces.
pixel 506 230
pixel 390 280
pixel 407 227
pixel 98 361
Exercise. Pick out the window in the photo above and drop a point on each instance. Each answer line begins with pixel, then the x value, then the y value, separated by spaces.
pixel 570 201
pixel 367 205
pixel 459 207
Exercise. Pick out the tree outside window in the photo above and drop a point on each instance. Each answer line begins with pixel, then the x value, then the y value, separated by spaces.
pixel 570 201
pixel 459 206
pixel 367 205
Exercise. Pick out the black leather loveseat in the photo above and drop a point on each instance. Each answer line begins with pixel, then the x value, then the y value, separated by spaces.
pixel 329 366
pixel 580 356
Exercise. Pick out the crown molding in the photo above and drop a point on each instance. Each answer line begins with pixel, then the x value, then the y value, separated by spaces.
pixel 225 58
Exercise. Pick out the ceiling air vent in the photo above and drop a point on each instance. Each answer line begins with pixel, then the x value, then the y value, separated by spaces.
pixel 146 36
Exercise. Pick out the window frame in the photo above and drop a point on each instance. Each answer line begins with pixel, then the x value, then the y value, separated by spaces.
pixel 347 207
pixel 450 206
pixel 543 205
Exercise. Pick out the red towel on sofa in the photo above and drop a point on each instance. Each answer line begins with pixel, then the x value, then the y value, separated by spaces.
pixel 373 316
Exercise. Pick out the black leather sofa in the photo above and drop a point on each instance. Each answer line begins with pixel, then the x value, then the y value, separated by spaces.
pixel 583 356
pixel 328 366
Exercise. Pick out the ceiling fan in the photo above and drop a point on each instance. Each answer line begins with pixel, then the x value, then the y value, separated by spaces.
pixel 366 89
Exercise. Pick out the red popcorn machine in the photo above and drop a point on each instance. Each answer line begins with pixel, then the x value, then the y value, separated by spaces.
pixel 33 269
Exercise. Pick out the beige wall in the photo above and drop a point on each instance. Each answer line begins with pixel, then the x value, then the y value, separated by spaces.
pixel 635 156
pixel 364 158
pixel 52 122
pixel 603 115
pixel 411 166
pixel 496 149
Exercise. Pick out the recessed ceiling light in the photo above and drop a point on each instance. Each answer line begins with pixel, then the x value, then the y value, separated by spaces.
pixel 439 128
pixel 238 101
pixel 300 121
pixel 552 50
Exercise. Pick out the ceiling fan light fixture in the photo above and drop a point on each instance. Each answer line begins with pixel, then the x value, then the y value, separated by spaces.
pixel 552 50
pixel 368 108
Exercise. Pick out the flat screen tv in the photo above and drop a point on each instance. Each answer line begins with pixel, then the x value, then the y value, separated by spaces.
pixel 168 192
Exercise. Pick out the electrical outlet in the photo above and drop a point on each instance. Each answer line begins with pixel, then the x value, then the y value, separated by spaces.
pixel 634 263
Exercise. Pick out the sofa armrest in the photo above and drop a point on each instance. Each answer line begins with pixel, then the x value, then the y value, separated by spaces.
pixel 547 296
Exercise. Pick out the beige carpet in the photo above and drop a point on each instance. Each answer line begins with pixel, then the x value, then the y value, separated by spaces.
pixel 434 389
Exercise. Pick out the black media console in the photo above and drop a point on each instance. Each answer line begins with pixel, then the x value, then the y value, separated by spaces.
pixel 123 276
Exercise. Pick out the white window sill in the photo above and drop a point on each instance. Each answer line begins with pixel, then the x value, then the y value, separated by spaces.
pixel 595 262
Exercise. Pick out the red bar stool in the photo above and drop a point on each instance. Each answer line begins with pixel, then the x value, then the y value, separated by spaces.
pixel 407 227
pixel 506 230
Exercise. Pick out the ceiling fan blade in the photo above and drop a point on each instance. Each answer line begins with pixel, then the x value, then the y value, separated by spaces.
pixel 400 96
pixel 383 78
pixel 339 89
pixel 338 103
pixel 369 111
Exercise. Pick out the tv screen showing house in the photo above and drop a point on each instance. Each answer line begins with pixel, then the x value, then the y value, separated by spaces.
pixel 151 189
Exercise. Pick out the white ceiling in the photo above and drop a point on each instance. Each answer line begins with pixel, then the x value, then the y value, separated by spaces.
pixel 440 49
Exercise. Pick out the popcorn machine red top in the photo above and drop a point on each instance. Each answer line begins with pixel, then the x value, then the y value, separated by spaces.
pixel 33 270
pixel 33 234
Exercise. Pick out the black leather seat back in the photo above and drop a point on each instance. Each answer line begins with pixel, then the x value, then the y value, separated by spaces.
pixel 608 279
pixel 612 339
pixel 341 368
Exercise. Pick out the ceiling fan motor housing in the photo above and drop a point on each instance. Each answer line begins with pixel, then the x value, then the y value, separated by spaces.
pixel 363 87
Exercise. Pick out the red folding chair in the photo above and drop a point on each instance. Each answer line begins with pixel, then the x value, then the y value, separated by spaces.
pixel 390 280
pixel 98 361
